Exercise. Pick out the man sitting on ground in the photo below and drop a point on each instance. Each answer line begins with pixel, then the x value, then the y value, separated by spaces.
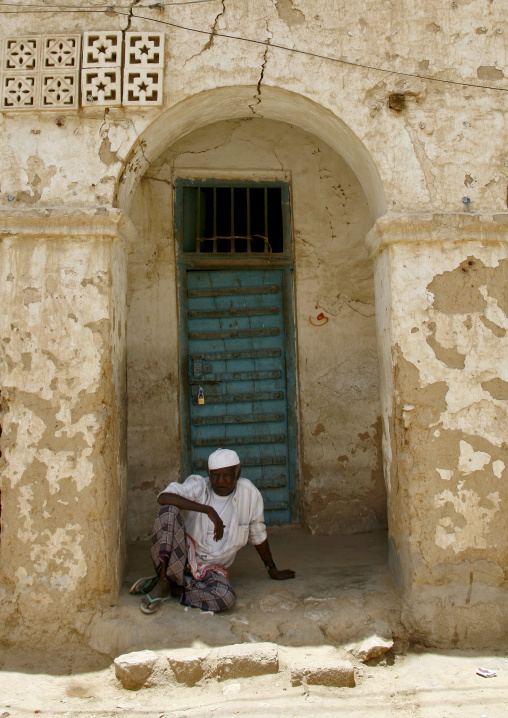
pixel 192 551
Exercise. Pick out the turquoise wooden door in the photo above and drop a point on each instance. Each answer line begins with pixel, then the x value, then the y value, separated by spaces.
pixel 236 330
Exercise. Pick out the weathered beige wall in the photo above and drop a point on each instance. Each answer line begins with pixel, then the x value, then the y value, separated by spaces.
pixel 446 419
pixel 62 364
pixel 448 142
pixel 340 472
pixel 152 362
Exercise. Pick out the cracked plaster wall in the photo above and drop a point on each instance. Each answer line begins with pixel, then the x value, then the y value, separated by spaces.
pixel 443 326
pixel 62 371
pixel 341 482
pixel 447 142
pixel 442 146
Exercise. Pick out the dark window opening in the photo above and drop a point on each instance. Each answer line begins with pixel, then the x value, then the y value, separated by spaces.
pixel 240 220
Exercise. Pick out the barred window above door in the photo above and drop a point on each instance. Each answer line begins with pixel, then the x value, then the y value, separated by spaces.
pixel 242 218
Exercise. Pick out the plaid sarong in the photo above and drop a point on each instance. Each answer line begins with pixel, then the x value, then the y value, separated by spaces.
pixel 212 591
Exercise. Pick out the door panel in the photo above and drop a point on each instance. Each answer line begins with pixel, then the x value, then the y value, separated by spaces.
pixel 237 355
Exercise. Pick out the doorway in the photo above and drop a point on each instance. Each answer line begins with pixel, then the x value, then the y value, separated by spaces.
pixel 340 479
pixel 238 380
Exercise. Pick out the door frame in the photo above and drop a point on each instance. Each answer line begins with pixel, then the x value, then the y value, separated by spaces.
pixel 194 261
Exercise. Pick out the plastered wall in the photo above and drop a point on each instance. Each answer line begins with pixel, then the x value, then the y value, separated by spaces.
pixel 340 470
pixel 441 139
pixel 63 432
pixel 446 142
pixel 444 333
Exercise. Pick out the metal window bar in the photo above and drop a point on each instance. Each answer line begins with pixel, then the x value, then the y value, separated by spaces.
pixel 248 222
pixel 198 238
pixel 232 229
pixel 267 248
pixel 215 220
pixel 265 198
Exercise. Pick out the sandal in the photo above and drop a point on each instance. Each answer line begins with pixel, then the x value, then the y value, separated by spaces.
pixel 153 603
pixel 143 585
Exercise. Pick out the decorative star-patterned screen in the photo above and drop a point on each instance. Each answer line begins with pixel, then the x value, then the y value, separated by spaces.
pixel 44 71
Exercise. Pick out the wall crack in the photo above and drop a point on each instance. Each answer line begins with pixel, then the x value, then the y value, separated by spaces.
pixel 129 18
pixel 257 97
pixel 213 32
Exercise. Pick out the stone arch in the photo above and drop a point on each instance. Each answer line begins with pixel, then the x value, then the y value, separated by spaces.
pixel 236 102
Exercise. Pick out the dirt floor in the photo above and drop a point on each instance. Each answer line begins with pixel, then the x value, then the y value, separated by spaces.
pixel 417 684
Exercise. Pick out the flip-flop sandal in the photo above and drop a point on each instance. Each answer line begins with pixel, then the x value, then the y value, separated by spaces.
pixel 143 585
pixel 154 603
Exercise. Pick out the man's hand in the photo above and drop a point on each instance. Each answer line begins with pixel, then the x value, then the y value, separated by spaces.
pixel 280 575
pixel 217 522
pixel 263 550
pixel 169 499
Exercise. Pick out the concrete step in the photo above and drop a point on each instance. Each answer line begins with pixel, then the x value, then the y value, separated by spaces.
pixel 342 593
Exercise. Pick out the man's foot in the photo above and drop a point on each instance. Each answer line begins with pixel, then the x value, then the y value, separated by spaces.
pixel 161 592
pixel 144 585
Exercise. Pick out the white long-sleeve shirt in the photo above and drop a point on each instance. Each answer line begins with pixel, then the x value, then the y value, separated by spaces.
pixel 247 518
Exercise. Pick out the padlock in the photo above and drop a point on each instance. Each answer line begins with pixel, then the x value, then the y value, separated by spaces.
pixel 201 396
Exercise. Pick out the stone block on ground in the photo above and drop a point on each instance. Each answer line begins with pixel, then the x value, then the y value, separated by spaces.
pixel 373 647
pixel 134 669
pixel 247 659
pixel 188 664
pixel 321 668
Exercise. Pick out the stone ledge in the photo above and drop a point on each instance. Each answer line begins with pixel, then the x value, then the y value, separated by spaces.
pixel 401 228
pixel 318 665
pixel 340 674
pixel 133 669
pixel 303 666
pixel 106 223
pixel 189 665
pixel 246 659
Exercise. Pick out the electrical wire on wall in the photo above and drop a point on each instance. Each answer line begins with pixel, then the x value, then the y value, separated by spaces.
pixel 118 10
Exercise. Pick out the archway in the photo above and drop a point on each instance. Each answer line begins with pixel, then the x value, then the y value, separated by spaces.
pixel 236 102
pixel 339 428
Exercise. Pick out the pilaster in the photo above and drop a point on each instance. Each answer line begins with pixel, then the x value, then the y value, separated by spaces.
pixel 442 318
pixel 62 378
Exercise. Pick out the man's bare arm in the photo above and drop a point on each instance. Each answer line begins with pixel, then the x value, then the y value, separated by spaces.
pixel 263 550
pixel 168 499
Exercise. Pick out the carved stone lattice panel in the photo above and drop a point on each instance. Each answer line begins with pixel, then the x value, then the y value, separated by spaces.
pixel 20 92
pixel 60 90
pixel 61 52
pixel 44 72
pixel 142 87
pixel 102 49
pixel 101 86
pixel 144 49
pixel 21 53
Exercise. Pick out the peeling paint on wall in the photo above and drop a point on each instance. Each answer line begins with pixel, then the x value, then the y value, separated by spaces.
pixel 441 307
pixel 447 418
pixel 476 519
pixel 60 482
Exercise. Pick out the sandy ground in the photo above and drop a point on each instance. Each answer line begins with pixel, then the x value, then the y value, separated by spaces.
pixel 418 683
pixel 342 592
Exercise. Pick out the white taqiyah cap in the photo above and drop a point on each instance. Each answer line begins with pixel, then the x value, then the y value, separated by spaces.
pixel 222 458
